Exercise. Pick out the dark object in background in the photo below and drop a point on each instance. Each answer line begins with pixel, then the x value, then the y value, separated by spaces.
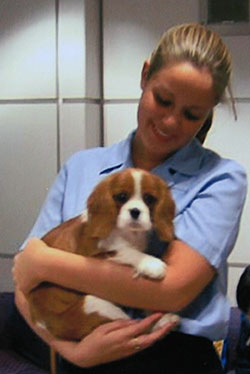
pixel 243 291
pixel 228 11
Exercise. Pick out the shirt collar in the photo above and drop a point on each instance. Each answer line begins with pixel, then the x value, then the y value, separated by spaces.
pixel 122 156
pixel 186 161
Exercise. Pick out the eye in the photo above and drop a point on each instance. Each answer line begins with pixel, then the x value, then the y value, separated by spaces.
pixel 149 199
pixel 121 197
pixel 190 117
pixel 162 101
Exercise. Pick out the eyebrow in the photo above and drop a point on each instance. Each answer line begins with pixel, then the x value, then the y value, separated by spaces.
pixel 192 107
pixel 199 108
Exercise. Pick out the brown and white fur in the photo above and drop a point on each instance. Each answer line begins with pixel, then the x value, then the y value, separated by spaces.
pixel 121 211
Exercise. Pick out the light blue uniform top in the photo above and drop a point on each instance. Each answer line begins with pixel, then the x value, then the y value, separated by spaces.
pixel 209 192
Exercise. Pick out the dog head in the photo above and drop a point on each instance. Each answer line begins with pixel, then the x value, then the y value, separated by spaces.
pixel 132 199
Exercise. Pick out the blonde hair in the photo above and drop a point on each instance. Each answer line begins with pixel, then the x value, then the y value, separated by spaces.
pixel 201 47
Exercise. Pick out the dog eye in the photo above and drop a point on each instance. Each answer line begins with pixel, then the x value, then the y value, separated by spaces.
pixel 149 199
pixel 121 198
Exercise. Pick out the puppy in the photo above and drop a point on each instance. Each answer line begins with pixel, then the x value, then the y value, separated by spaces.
pixel 121 212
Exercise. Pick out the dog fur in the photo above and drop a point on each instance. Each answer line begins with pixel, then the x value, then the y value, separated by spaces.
pixel 121 211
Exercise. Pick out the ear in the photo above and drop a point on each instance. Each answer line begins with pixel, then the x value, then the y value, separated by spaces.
pixel 101 211
pixel 164 212
pixel 144 74
pixel 67 235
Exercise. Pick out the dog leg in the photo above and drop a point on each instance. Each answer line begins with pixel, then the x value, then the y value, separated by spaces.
pixel 151 267
pixel 104 308
pixel 167 318
pixel 144 264
pixel 128 254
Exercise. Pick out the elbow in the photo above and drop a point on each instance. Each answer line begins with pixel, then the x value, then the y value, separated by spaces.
pixel 179 299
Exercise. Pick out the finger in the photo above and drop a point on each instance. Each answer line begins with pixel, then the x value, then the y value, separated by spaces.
pixel 19 297
pixel 13 275
pixel 110 327
pixel 144 325
pixel 149 339
pixel 146 340
pixel 16 257
pixel 129 328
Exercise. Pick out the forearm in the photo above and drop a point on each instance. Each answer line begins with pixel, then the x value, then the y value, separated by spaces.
pixel 184 280
pixel 107 280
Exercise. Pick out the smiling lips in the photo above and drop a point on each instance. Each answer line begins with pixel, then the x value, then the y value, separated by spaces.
pixel 160 133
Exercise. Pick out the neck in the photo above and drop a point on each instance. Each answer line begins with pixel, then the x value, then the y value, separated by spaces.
pixel 142 159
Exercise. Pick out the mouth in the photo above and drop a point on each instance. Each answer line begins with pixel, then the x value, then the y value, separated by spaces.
pixel 135 226
pixel 161 134
pixel 158 131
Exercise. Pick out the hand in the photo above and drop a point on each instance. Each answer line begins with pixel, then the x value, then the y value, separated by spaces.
pixel 113 341
pixel 109 342
pixel 26 265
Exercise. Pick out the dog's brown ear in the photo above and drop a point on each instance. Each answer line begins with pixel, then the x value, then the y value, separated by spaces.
pixel 101 211
pixel 66 236
pixel 164 213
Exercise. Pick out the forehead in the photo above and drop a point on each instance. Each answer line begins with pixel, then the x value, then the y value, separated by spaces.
pixel 122 181
pixel 184 81
pixel 151 182
pixel 129 181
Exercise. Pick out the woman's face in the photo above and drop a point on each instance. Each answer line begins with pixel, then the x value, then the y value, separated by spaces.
pixel 174 104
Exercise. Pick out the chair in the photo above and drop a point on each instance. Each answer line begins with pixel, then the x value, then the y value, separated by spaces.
pixel 11 360
pixel 229 351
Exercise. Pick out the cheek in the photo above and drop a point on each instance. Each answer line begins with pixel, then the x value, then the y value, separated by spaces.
pixel 191 129
pixel 141 112
pixel 146 106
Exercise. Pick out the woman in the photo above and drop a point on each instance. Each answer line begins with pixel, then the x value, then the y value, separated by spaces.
pixel 183 81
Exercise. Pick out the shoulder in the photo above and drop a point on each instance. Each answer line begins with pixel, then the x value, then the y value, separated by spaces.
pixel 205 199
pixel 97 159
pixel 220 169
pixel 200 170
pixel 214 158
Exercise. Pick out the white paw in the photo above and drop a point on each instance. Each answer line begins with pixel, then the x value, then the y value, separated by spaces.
pixel 167 318
pixel 152 267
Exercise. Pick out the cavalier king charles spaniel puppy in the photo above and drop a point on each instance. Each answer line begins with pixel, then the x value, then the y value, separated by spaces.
pixel 122 211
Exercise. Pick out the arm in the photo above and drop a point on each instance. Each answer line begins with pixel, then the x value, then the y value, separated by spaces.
pixel 188 273
pixel 109 342
pixel 203 224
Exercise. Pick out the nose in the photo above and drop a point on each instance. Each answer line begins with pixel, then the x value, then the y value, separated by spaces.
pixel 171 118
pixel 135 212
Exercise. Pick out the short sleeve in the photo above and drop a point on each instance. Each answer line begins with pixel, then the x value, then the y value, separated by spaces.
pixel 50 215
pixel 210 222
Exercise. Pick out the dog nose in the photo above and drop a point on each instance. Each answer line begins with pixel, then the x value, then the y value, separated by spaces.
pixel 135 212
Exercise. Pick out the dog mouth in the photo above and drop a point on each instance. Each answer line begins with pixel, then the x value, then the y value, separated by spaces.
pixel 136 226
